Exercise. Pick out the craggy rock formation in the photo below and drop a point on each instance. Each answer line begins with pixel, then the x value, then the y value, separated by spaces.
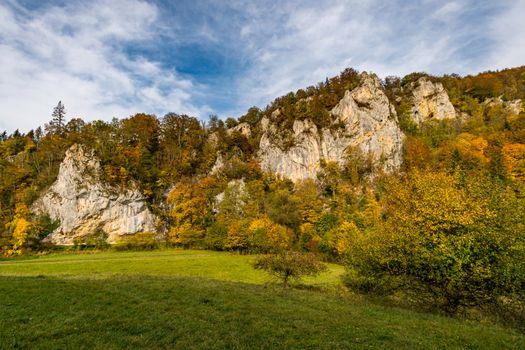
pixel 364 119
pixel 430 101
pixel 235 192
pixel 513 106
pixel 84 205
pixel 218 165
pixel 242 128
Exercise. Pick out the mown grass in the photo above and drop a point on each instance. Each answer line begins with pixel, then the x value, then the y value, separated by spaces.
pixel 206 300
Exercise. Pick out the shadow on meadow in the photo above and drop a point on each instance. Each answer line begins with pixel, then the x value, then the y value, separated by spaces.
pixel 190 312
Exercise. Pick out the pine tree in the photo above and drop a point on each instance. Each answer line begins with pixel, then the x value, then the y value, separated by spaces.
pixel 57 124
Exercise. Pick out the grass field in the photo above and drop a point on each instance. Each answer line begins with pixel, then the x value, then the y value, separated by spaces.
pixel 206 300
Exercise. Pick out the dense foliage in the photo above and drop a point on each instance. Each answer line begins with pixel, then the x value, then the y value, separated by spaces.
pixel 448 228
pixel 287 265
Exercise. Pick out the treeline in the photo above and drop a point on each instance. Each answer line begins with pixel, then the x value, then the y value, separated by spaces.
pixel 449 227
pixel 154 153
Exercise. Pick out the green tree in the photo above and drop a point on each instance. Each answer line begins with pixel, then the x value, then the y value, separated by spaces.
pixel 442 240
pixel 58 121
pixel 289 265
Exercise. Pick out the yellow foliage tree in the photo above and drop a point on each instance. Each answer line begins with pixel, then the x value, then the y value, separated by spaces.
pixel 514 161
pixel 341 237
pixel 437 238
pixel 258 235
pixel 473 148
pixel 309 203
pixel 20 228
pixel 191 206
pixel 271 235
pixel 433 203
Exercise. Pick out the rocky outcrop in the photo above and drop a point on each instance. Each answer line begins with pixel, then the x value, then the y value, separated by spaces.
pixel 364 120
pixel 430 102
pixel 513 106
pixel 242 128
pixel 235 193
pixel 84 205
pixel 218 165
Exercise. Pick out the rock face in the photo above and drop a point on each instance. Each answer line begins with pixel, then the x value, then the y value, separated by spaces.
pixel 430 101
pixel 513 106
pixel 242 128
pixel 84 205
pixel 365 120
pixel 235 192
pixel 218 165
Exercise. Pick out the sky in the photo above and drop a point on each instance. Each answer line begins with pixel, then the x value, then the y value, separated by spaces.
pixel 114 58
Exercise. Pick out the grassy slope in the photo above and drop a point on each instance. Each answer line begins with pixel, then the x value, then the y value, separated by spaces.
pixel 188 299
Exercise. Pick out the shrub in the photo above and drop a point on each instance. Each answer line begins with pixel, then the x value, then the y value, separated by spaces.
pixel 289 265
pixel 96 240
pixel 138 241
pixel 445 239
pixel 216 236
pixel 42 228
pixel 259 235
pixel 187 236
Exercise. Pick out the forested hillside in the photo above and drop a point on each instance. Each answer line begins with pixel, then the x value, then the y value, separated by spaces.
pixel 450 221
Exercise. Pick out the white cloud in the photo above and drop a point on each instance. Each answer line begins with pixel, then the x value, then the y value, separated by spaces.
pixel 79 53
pixel 75 54
pixel 319 39
pixel 449 9
pixel 313 42
pixel 508 34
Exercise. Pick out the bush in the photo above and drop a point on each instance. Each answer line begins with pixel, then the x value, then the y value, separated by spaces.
pixel 216 236
pixel 96 240
pixel 456 243
pixel 289 265
pixel 42 228
pixel 187 236
pixel 138 241
pixel 259 235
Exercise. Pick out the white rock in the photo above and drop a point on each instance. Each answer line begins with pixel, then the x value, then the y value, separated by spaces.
pixel 84 205
pixel 218 165
pixel 513 106
pixel 242 128
pixel 430 101
pixel 369 123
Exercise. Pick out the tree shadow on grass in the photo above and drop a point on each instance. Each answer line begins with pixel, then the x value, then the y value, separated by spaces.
pixel 174 312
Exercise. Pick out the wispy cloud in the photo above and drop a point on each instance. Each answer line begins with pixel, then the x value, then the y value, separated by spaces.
pixel 115 58
pixel 76 54
pixel 508 34
pixel 316 39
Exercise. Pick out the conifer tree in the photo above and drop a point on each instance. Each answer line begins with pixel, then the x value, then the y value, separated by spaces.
pixel 58 121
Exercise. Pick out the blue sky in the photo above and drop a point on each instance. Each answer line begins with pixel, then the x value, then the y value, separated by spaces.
pixel 114 58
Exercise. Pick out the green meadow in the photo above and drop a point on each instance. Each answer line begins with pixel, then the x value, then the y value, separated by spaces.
pixel 185 299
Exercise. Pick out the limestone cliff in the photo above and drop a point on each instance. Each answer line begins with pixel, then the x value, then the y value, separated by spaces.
pixel 364 120
pixel 84 205
pixel 242 128
pixel 430 102
pixel 513 106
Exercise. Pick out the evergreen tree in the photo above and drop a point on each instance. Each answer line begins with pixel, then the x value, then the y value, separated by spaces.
pixel 58 121
pixel 38 135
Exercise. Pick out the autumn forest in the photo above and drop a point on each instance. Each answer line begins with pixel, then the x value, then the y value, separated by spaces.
pixel 446 228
